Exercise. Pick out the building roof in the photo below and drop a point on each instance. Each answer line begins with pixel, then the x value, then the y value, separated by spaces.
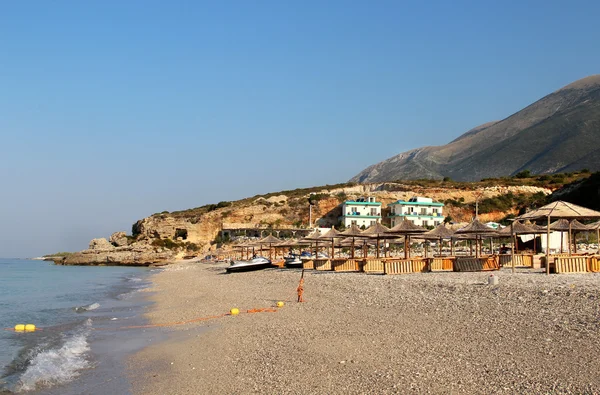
pixel 352 202
pixel 417 203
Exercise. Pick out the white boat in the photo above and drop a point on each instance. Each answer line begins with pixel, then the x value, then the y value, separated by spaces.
pixel 293 261
pixel 257 263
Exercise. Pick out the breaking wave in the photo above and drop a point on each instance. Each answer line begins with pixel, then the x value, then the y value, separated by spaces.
pixel 57 365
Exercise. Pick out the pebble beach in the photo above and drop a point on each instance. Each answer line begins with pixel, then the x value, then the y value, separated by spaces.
pixel 359 333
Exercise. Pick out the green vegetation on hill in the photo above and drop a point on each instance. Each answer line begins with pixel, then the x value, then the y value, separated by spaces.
pixel 584 192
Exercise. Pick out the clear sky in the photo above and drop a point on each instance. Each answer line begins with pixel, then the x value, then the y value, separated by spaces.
pixel 113 110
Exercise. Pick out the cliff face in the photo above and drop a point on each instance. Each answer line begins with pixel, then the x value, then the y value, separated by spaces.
pixel 166 237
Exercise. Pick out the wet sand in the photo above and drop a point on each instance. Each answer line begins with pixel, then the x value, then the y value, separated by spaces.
pixel 358 333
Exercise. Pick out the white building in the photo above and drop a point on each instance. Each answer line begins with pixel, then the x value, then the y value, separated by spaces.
pixel 420 210
pixel 362 212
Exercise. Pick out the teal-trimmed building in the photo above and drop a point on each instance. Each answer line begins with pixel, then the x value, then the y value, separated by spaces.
pixel 421 211
pixel 362 212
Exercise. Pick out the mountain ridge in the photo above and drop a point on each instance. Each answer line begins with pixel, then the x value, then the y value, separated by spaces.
pixel 559 132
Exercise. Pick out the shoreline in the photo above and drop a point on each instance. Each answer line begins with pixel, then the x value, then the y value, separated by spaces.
pixel 358 333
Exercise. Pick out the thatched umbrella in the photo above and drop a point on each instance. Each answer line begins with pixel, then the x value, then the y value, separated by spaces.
pixel 353 231
pixel 378 232
pixel 331 234
pixel 477 229
pixel 563 225
pixel 270 240
pixel 558 210
pixel 517 228
pixel 596 226
pixel 406 228
pixel 439 233
pixel 244 245
pixel 313 237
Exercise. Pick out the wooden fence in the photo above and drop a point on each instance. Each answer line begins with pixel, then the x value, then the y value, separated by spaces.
pixel 476 264
pixel 404 266
pixel 571 264
pixel 521 260
pixel 373 265
pixel 345 265
pixel 308 264
pixel 441 264
pixel 322 264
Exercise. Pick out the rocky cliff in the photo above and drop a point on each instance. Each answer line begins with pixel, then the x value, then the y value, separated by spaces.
pixel 166 237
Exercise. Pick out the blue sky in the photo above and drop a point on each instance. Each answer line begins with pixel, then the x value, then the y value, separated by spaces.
pixel 111 111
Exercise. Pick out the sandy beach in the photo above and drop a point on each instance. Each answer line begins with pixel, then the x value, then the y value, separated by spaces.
pixel 358 333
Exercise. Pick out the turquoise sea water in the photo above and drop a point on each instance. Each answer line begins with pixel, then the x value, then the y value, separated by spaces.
pixel 73 306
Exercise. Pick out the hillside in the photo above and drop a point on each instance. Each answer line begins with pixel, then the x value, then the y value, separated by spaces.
pixel 558 133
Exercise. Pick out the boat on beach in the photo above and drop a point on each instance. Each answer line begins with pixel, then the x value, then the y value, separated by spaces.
pixel 293 261
pixel 257 263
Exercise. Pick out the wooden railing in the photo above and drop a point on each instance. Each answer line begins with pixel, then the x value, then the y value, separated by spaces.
pixel 476 264
pixel 345 265
pixel 520 260
pixel 373 265
pixel 404 266
pixel 571 264
pixel 441 264
pixel 322 264
pixel 308 264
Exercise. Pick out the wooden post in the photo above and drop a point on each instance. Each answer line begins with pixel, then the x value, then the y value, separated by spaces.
pixel 548 246
pixel 512 255
pixel 405 247
pixel 561 241
pixel 377 253
pixel 569 238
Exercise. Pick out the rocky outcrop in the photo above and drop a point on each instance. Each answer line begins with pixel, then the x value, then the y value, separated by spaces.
pixel 139 255
pixel 100 244
pixel 119 239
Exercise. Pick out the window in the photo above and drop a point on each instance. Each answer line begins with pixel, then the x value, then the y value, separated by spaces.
pixel 435 210
pixel 354 211
pixel 353 222
pixel 373 211
pixel 372 223
pixel 425 223
pixel 436 223
pixel 423 211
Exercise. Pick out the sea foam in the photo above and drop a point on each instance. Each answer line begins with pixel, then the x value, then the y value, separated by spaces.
pixel 58 365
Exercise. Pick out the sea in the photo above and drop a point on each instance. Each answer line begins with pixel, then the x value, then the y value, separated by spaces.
pixel 81 313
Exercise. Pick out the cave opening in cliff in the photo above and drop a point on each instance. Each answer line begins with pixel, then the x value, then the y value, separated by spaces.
pixel 181 233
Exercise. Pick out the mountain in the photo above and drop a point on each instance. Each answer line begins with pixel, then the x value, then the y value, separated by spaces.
pixel 558 133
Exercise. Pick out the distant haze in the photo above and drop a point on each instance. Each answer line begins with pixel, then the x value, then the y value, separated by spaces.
pixel 112 111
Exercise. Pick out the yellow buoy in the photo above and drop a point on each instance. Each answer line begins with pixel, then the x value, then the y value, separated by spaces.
pixel 280 304
pixel 234 311
pixel 19 327
pixel 29 328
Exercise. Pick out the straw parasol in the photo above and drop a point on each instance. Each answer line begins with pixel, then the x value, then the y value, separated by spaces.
pixel 270 240
pixel 439 233
pixel 353 231
pixel 331 234
pixel 558 210
pixel 564 225
pixel 477 229
pixel 406 228
pixel 378 231
pixel 313 237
